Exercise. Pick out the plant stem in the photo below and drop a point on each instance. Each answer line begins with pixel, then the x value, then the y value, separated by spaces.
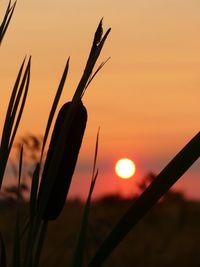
pixel 40 243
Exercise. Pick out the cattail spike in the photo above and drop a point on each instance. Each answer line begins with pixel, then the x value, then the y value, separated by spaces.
pixel 72 145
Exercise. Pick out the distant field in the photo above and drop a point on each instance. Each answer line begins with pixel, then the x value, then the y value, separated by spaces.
pixel 168 236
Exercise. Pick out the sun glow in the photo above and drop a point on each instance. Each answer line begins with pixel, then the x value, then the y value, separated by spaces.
pixel 125 168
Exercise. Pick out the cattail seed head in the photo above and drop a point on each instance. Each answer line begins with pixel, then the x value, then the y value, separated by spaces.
pixel 72 144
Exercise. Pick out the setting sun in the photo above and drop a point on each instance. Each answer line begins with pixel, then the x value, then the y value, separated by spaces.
pixel 125 168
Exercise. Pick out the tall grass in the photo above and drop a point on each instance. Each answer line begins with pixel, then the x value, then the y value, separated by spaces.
pixel 35 229
pixel 6 20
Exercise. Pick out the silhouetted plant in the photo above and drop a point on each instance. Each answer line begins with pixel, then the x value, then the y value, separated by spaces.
pixel 34 231
pixel 6 20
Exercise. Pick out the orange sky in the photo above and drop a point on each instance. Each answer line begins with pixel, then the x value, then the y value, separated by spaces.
pixel 146 99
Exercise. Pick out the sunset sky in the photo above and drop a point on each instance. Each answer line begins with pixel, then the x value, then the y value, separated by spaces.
pixel 146 98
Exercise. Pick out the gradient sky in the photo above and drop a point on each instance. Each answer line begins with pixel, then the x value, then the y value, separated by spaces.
pixel 146 98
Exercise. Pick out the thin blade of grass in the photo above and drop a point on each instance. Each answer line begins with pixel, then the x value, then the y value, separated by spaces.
pixel 16 259
pixel 20 170
pixel 33 229
pixel 162 183
pixel 54 106
pixel 32 203
pixel 8 126
pixel 6 20
pixel 78 256
pixel 2 252
pixel 5 17
pixel 23 89
pixel 95 154
pixel 33 224
pixel 94 74
pixel 40 243
pixel 24 228
pixel 33 195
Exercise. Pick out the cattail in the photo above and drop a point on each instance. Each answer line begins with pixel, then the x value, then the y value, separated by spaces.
pixel 72 143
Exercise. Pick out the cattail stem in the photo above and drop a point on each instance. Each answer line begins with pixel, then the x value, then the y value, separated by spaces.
pixel 34 227
pixel 40 243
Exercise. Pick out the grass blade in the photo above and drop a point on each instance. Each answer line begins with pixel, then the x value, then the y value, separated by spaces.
pixel 11 122
pixel 32 225
pixel 23 89
pixel 162 183
pixel 2 252
pixel 16 262
pixel 80 247
pixel 95 154
pixel 94 74
pixel 33 195
pixel 7 125
pixel 6 20
pixel 40 243
pixel 33 229
pixel 55 104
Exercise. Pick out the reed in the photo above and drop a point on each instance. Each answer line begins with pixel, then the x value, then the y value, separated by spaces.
pixel 47 197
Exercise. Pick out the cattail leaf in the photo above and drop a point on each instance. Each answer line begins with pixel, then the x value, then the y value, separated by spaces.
pixel 12 120
pixel 16 261
pixel 23 88
pixel 20 170
pixel 16 248
pixel 2 252
pixel 6 20
pixel 33 195
pixel 77 260
pixel 7 128
pixel 95 154
pixel 33 230
pixel 40 243
pixel 24 228
pixel 97 39
pixel 94 74
pixel 161 184
pixel 7 125
pixel 33 224
pixel 55 104
pixel 98 33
